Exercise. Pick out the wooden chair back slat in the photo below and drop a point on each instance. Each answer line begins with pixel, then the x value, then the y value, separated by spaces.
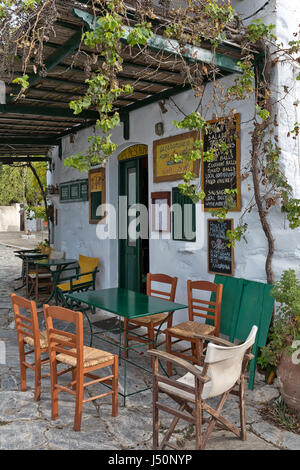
pixel 171 283
pixel 205 302
pixel 204 309
pixel 64 333
pixel 203 315
pixel 64 351
pixel 26 319
pixel 26 326
pixel 213 311
pixel 27 333
pixel 57 345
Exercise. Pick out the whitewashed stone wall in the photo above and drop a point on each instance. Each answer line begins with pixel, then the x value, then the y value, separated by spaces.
pixel 10 218
pixel 74 235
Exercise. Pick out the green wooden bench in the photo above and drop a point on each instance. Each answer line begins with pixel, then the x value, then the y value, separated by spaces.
pixel 244 304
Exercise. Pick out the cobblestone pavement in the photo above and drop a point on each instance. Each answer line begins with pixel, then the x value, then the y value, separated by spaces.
pixel 26 424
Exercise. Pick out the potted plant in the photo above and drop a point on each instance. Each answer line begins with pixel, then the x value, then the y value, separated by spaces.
pixel 283 349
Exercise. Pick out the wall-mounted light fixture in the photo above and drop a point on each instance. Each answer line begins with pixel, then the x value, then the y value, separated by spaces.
pixel 159 128
pixel 163 107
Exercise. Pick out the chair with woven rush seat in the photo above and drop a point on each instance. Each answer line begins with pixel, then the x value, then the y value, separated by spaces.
pixel 83 362
pixel 189 330
pixel 29 335
pixel 83 280
pixel 151 322
pixel 224 368
pixel 28 332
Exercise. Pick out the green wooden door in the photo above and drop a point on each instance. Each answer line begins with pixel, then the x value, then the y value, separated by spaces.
pixel 129 247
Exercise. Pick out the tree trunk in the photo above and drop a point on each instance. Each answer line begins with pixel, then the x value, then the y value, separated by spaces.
pixel 44 196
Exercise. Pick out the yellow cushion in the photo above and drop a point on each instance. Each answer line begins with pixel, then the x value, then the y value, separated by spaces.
pixel 87 264
pixel 66 286
pixel 91 357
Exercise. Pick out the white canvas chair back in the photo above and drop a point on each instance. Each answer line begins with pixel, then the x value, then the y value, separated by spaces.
pixel 225 365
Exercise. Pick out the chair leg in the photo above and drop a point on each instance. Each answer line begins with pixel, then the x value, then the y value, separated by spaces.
pixel 150 328
pixel 36 289
pixel 168 350
pixel 242 407
pixel 115 372
pixel 74 378
pixel 214 418
pixel 79 401
pixel 54 391
pixel 198 423
pixel 38 373
pixel 172 428
pixel 155 414
pixel 22 370
pixel 125 337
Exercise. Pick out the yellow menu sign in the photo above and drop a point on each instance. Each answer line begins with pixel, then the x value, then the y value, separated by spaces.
pixel 134 151
pixel 164 168
pixel 97 180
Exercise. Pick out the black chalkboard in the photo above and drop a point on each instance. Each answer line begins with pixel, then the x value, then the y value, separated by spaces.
pixel 224 171
pixel 219 255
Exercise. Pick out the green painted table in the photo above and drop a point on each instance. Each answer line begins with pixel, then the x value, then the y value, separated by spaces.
pixel 59 265
pixel 125 304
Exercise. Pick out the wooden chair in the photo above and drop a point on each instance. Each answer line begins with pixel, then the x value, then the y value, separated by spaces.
pixel 189 330
pixel 152 321
pixel 29 335
pixel 83 361
pixel 224 368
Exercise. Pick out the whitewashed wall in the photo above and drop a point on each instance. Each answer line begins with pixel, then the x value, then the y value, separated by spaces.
pixel 74 235
pixel 10 218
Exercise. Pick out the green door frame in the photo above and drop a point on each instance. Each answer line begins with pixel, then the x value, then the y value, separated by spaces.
pixel 130 276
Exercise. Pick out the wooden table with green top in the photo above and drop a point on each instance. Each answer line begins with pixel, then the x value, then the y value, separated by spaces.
pixel 125 304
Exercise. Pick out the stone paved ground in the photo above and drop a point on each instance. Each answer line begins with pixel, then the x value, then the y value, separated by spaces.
pixel 26 424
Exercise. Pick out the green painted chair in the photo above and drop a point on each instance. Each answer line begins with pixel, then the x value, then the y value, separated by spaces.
pixel 244 304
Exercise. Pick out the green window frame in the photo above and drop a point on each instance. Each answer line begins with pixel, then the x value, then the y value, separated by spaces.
pixel 183 217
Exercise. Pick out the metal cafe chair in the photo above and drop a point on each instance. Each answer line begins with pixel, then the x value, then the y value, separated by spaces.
pixel 83 280
pixel 189 331
pixel 82 360
pixel 224 367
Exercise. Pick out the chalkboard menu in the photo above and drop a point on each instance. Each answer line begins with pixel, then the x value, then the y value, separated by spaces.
pixel 224 171
pixel 74 191
pixel 220 256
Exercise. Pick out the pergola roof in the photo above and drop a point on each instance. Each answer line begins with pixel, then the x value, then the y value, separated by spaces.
pixel 36 122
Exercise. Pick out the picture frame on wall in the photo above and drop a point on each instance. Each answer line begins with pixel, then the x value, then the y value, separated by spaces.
pixel 97 194
pixel 161 211
pixel 164 168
